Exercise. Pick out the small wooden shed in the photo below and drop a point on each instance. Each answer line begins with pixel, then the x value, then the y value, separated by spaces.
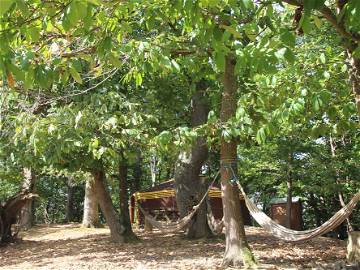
pixel 278 212
pixel 160 201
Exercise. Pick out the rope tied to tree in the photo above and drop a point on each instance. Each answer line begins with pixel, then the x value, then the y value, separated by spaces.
pixel 230 164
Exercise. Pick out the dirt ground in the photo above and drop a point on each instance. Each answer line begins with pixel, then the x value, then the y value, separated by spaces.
pixel 73 247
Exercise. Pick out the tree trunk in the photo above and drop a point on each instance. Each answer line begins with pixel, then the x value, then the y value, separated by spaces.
pixel 237 248
pixel 124 201
pixel 107 207
pixel 27 213
pixel 189 187
pixel 153 169
pixel 9 213
pixel 288 204
pixel 289 193
pixel 69 214
pixel 91 209
pixel 338 180
pixel 353 248
pixel 137 172
pixel 354 77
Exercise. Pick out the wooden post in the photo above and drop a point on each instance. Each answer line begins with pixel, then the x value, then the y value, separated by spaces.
pixel 353 248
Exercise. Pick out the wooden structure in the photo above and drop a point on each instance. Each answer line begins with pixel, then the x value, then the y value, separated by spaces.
pixel 160 201
pixel 278 212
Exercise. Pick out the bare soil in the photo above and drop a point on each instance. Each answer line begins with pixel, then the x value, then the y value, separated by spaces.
pixel 72 247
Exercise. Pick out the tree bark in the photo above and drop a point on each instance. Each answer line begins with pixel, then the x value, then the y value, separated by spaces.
pixel 9 214
pixel 124 201
pixel 338 180
pixel 188 185
pixel 69 214
pixel 354 77
pixel 353 248
pixel 237 248
pixel 153 169
pixel 91 209
pixel 116 228
pixel 289 192
pixel 137 172
pixel 27 212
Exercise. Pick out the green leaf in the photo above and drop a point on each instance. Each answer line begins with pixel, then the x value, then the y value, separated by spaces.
pixel 220 60
pixel 305 23
pixel 175 65
pixel 317 21
pixel 326 75
pixel 94 2
pixel 280 53
pixel 344 68
pixel 114 60
pixel 232 30
pixel 247 3
pixel 138 79
pixel 75 75
pixel 34 34
pixel 287 38
pixel 77 11
pixel 356 53
pixel 316 103
pixel 261 136
pixel 289 56
pixel 5 6
pixel 23 7
pixel 29 79
pixel 322 58
pixel 250 34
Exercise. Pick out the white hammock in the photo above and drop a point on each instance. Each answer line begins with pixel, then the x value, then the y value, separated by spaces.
pixel 173 227
pixel 286 234
pixel 216 226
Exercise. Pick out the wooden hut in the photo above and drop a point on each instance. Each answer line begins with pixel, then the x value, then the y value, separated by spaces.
pixel 160 201
pixel 278 212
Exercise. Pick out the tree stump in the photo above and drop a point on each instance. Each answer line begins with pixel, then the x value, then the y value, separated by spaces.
pixel 353 248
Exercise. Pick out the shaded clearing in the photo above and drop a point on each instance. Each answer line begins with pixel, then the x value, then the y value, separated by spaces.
pixel 73 247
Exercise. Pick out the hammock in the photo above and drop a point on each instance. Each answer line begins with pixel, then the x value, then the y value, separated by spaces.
pixel 215 226
pixel 173 227
pixel 297 236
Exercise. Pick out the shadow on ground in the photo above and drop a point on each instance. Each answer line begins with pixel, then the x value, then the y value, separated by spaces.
pixel 71 247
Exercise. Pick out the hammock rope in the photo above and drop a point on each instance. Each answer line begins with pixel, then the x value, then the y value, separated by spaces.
pixel 173 227
pixel 290 235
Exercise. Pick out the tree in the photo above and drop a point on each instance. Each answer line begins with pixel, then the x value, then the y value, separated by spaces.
pixel 91 208
pixel 189 187
pixel 27 211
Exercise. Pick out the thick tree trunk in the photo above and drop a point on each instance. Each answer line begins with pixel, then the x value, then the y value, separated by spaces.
pixel 124 201
pixel 69 214
pixel 107 207
pixel 27 213
pixel 237 248
pixel 91 209
pixel 189 187
pixel 9 213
